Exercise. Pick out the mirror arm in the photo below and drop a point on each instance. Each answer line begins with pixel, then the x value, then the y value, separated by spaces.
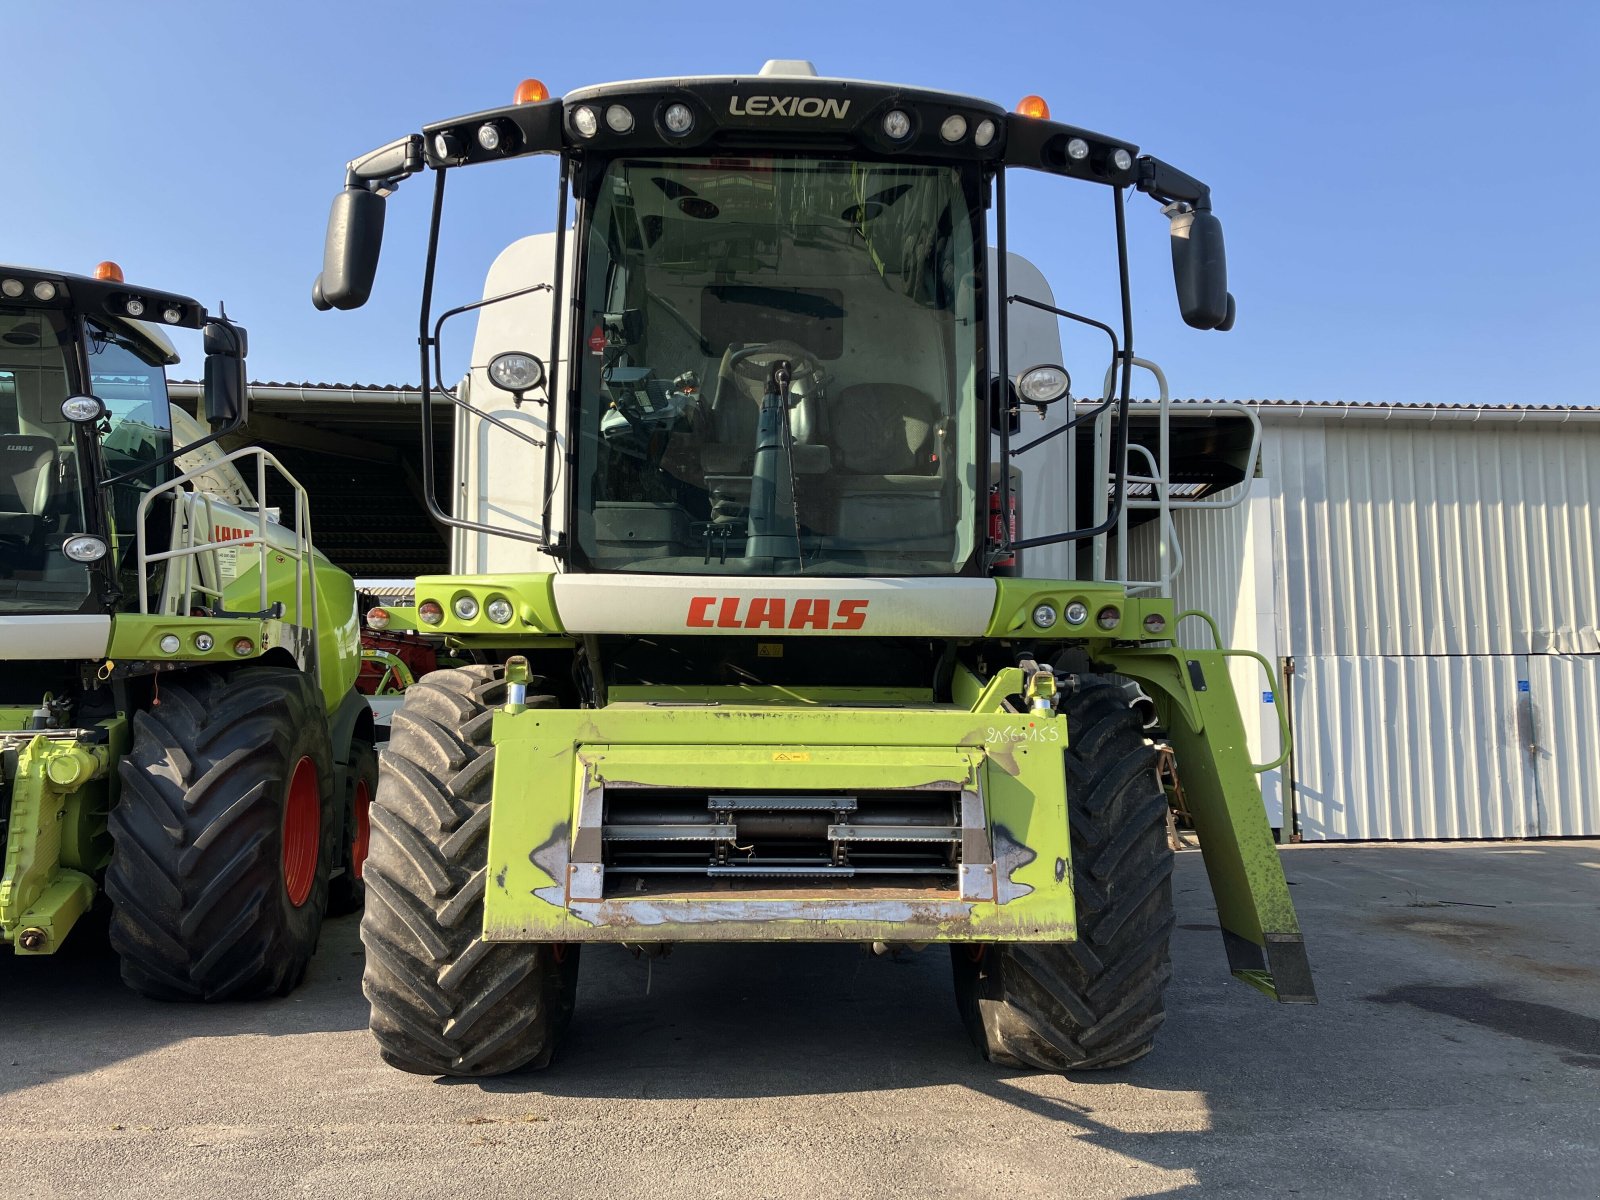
pixel 384 169
pixel 1168 185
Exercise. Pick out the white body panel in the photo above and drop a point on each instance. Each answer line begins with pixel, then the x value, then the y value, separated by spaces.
pixel 72 638
pixel 500 477
pixel 768 605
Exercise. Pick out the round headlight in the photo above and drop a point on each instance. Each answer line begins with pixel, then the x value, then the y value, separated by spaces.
pixel 172 315
pixel 1078 148
pixel 11 288
pixel 447 146
pixel 1155 623
pixel 170 644
pixel 954 128
pixel 514 371
pixel 499 610
pixel 79 409
pixel 203 642
pixel 897 123
pixel 585 121
pixel 1121 159
pixel 243 646
pixel 678 118
pixel 84 548
pixel 44 290
pixel 134 307
pixel 1076 613
pixel 1043 385
pixel 620 118
pixel 466 607
pixel 983 134
pixel 377 618
pixel 429 612
pixel 1108 617
pixel 1044 616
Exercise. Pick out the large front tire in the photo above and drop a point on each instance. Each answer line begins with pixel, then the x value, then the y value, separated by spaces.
pixel 223 836
pixel 1095 1002
pixel 444 1001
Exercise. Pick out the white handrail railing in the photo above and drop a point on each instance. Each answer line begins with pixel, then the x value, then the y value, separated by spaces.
pixel 179 594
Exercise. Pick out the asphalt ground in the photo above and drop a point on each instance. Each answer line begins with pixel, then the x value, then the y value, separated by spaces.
pixel 1455 1053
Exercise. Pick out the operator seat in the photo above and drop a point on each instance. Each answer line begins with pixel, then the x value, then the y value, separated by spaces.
pixel 889 478
pixel 27 464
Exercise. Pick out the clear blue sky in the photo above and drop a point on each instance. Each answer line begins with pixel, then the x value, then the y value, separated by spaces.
pixel 1408 189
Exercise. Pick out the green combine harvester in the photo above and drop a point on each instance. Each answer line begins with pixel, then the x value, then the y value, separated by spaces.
pixel 178 726
pixel 738 571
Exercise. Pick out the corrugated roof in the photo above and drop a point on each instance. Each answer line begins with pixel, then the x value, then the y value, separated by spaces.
pixel 1510 408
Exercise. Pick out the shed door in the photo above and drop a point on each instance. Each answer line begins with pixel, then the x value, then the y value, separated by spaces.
pixel 1416 747
pixel 1565 694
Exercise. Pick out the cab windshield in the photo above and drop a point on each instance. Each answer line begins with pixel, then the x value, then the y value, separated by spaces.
pixel 780 361
pixel 42 475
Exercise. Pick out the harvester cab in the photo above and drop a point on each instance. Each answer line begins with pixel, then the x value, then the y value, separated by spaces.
pixel 761 648
pixel 178 727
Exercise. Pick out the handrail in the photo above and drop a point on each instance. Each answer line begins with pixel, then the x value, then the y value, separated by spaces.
pixel 1169 554
pixel 1285 735
pixel 301 552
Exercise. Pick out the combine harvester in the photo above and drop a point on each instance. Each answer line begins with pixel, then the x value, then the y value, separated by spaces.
pixel 178 724
pixel 737 571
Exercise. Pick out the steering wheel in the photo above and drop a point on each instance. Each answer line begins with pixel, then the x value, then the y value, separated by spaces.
pixel 754 363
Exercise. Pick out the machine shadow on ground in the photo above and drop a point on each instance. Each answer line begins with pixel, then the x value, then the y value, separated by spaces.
pixel 70 1013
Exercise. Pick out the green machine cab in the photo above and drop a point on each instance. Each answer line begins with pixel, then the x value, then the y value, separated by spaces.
pixel 178 727
pixel 759 649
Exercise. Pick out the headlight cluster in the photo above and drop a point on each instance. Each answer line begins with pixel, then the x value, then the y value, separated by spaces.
pixel 43 289
pixel 1075 615
pixel 465 607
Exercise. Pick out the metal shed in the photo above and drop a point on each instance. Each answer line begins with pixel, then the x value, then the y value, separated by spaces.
pixel 1428 579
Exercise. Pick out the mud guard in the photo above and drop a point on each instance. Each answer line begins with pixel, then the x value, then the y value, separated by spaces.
pixel 1195 698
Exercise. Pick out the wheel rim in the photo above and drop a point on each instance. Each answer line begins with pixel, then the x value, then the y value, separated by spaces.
pixel 302 832
pixel 358 846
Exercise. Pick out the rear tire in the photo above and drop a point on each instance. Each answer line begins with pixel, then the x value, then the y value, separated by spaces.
pixel 347 890
pixel 444 1001
pixel 1095 1002
pixel 222 837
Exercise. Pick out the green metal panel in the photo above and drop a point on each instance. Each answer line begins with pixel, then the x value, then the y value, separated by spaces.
pixel 40 898
pixel 532 598
pixel 1017 599
pixel 550 763
pixel 1194 695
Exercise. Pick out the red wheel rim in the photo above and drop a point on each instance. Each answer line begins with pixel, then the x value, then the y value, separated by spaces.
pixel 358 846
pixel 302 832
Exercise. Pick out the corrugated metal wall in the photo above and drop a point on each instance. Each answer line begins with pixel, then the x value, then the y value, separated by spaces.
pixel 1437 583
pixel 1438 537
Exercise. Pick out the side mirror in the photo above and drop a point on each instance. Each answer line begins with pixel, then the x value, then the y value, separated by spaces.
pixel 350 252
pixel 1200 268
pixel 226 396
